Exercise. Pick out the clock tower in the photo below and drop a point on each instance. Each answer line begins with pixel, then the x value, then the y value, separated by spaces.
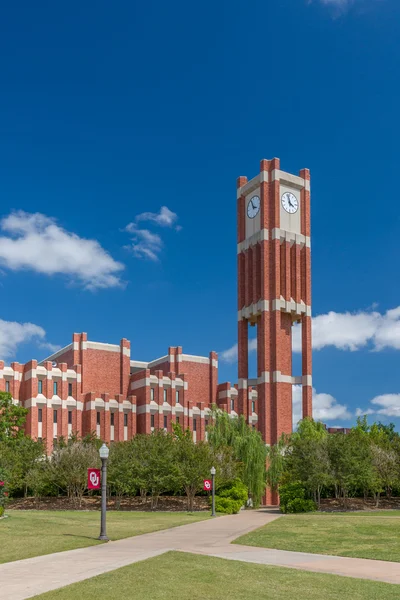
pixel 274 292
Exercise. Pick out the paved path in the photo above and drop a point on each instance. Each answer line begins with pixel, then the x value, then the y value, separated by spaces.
pixel 27 578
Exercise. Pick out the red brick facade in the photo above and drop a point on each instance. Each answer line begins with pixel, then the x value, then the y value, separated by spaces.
pixel 274 292
pixel 95 387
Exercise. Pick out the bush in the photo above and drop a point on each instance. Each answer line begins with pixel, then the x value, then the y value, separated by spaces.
pixel 293 500
pixel 299 505
pixel 231 498
pixel 3 492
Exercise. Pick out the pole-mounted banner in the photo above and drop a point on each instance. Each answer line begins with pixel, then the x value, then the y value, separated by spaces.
pixel 93 479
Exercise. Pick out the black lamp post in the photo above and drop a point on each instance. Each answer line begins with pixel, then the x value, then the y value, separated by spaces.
pixel 213 490
pixel 104 452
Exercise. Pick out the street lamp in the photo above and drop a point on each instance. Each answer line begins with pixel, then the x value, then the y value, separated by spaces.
pixel 213 490
pixel 104 452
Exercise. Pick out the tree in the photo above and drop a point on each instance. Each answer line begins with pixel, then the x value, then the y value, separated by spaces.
pixel 120 472
pixel 193 461
pixel 154 467
pixel 69 467
pixel 308 459
pixel 12 418
pixel 248 448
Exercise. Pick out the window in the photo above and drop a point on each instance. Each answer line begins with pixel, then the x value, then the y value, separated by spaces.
pixel 55 388
pixel 206 423
pixel 165 422
pixel 70 389
pixel 177 397
pixel 54 416
pixel 40 415
pixel 253 406
pixel 151 393
pixel 7 386
pixel 165 395
pixel 112 419
pixel 98 418
pixel 125 420
pixel 177 420
pixel 70 417
pixel 194 424
pixel 40 386
pixel 152 420
pixel 232 405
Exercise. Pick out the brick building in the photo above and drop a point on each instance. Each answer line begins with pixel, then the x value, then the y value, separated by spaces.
pixel 96 387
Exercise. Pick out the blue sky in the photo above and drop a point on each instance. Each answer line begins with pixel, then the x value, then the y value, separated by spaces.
pixel 110 112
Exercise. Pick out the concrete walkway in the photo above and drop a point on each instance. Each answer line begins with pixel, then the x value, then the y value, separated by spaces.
pixel 27 578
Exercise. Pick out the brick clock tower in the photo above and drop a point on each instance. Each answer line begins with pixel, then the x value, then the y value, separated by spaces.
pixel 274 291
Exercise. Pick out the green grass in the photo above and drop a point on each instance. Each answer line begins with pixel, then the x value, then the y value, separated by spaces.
pixel 25 534
pixel 179 575
pixel 359 535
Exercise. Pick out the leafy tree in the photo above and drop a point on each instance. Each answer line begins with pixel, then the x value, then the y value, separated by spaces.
pixel 69 466
pixel 12 418
pixel 194 462
pixel 248 448
pixel 120 473
pixel 308 459
pixel 154 466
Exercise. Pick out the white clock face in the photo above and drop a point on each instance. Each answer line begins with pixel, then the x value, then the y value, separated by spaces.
pixel 290 202
pixel 253 207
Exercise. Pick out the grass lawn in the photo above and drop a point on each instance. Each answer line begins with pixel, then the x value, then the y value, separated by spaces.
pixel 361 535
pixel 179 575
pixel 33 533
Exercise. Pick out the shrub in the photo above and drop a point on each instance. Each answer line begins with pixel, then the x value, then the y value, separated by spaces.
pixel 299 505
pixel 293 500
pixel 231 498
pixel 3 492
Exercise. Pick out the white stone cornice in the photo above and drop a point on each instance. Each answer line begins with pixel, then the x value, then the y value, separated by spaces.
pixel 289 179
pixel 252 185
pixel 253 310
pixel 290 237
pixel 259 236
pixel 292 307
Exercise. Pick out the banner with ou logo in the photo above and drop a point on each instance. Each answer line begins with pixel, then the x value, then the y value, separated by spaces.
pixel 207 485
pixel 93 479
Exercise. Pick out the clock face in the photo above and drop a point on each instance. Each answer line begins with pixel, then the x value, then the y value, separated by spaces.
pixel 253 207
pixel 290 202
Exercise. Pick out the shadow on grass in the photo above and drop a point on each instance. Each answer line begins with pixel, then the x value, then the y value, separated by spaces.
pixel 84 537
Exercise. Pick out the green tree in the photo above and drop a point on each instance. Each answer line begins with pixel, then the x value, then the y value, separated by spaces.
pixel 248 448
pixel 155 467
pixel 308 458
pixel 120 471
pixel 69 466
pixel 193 461
pixel 12 418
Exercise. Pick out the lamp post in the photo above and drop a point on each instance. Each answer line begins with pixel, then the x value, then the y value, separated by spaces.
pixel 213 490
pixel 104 452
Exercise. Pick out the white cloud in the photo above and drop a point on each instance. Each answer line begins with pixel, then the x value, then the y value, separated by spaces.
pixel 344 331
pixel 36 242
pixel 145 244
pixel 164 218
pixel 231 354
pixel 325 407
pixel 386 404
pixel 13 334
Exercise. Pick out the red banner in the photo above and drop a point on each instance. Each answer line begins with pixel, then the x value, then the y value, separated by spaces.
pixel 207 487
pixel 93 479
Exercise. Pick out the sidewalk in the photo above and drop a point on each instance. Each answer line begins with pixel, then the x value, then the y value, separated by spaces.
pixel 27 578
